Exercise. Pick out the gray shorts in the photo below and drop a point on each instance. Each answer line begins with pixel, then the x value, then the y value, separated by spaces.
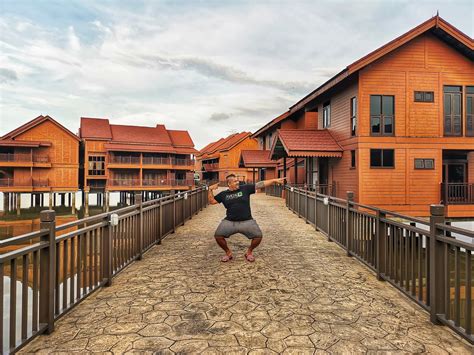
pixel 249 228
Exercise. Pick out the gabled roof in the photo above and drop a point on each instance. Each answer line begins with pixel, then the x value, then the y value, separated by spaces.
pixel 137 138
pixel 305 143
pixel 256 159
pixel 436 25
pixel 223 144
pixel 33 123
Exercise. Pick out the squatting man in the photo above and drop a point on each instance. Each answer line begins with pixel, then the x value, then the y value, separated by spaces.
pixel 236 200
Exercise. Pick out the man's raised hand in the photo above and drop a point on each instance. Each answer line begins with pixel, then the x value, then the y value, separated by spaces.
pixel 214 187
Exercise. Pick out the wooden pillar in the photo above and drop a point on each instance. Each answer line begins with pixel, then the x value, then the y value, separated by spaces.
pixel 54 199
pixel 253 175
pixel 31 200
pixel 50 201
pixel 86 204
pixel 18 203
pixel 6 196
pixel 107 201
pixel 284 168
pixel 73 202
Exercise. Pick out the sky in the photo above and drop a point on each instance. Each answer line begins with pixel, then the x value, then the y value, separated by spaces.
pixel 210 67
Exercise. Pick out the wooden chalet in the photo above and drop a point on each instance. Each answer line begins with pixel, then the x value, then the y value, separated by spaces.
pixel 135 158
pixel 395 127
pixel 222 157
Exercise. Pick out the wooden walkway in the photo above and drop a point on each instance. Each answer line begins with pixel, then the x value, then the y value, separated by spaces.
pixel 303 295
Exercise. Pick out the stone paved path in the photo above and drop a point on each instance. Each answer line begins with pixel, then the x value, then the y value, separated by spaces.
pixel 301 296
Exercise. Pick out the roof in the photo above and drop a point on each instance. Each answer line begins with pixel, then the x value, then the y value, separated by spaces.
pixel 137 138
pixel 33 123
pixel 438 26
pixel 224 144
pixel 256 159
pixel 305 143
pixel 271 124
pixel 95 128
pixel 149 148
pixel 137 134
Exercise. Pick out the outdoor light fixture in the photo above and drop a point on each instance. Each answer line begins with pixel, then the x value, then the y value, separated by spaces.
pixel 292 189
pixel 185 195
pixel 114 219
pixel 326 201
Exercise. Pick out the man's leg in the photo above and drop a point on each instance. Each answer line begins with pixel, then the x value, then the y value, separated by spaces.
pixel 255 242
pixel 223 244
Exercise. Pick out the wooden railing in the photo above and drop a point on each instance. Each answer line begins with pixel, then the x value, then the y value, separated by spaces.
pixel 9 182
pixel 124 182
pixel 157 160
pixel 457 194
pixel 59 271
pixel 211 166
pixel 124 159
pixel 23 157
pixel 422 259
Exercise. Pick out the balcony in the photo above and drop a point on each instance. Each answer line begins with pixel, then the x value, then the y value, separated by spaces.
pixel 124 160
pixel 28 184
pixel 157 161
pixel 24 160
pixel 149 183
pixel 457 193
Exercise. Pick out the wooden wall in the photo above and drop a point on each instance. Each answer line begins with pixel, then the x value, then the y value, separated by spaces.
pixel 424 64
pixel 63 154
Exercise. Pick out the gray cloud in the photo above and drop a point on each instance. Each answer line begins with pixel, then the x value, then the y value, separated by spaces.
pixel 221 116
pixel 7 75
pixel 215 70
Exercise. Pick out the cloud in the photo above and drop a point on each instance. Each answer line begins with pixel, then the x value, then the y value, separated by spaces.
pixel 7 75
pixel 219 116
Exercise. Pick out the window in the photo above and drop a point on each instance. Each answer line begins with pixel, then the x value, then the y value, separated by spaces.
pixel 96 165
pixel 424 96
pixel 452 111
pixel 470 111
pixel 424 164
pixel 353 116
pixel 382 158
pixel 353 159
pixel 382 115
pixel 327 115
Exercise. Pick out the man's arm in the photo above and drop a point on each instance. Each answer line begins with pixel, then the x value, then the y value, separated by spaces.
pixel 210 194
pixel 265 183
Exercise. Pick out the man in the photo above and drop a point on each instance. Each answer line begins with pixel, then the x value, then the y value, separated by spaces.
pixel 238 218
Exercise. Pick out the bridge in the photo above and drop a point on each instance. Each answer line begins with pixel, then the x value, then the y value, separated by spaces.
pixel 303 294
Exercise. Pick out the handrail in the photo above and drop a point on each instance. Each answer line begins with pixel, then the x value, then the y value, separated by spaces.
pixel 89 256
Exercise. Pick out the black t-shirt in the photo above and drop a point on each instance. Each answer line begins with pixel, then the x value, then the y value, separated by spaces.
pixel 237 202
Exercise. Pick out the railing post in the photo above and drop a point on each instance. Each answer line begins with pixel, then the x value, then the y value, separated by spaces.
pixel 315 210
pixel 190 196
pixel 139 201
pixel 107 253
pixel 173 193
pixel 329 219
pixel 47 270
pixel 350 199
pixel 161 221
pixel 184 210
pixel 306 207
pixel 437 264
pixel 381 240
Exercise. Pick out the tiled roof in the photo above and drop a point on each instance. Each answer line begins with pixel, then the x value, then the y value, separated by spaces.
pixel 307 142
pixel 180 138
pixel 137 134
pixel 224 143
pixel 34 122
pixel 95 128
pixel 137 138
pixel 256 159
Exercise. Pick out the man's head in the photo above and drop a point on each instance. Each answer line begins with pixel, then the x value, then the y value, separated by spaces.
pixel 232 182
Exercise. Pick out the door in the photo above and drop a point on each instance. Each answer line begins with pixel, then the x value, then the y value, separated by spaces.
pixel 454 179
